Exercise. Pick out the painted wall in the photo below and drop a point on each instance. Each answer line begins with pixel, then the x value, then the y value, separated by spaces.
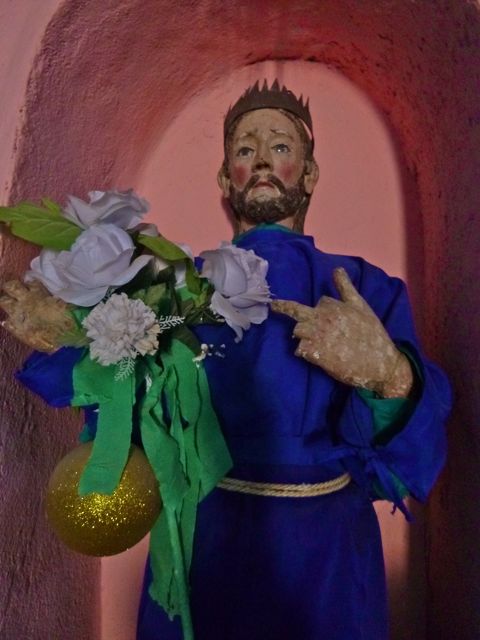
pixel 107 82
pixel 22 25
pixel 41 583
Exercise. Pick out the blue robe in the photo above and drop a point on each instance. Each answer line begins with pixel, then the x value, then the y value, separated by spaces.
pixel 267 568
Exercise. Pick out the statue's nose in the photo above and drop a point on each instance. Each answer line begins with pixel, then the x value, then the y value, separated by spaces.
pixel 262 161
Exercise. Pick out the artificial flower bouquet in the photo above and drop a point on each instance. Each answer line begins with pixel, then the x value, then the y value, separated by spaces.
pixel 125 300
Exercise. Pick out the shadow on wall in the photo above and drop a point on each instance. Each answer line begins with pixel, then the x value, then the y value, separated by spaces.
pixel 109 80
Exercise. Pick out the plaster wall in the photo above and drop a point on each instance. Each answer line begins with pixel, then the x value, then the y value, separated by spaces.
pixel 107 81
pixel 22 25
pixel 41 583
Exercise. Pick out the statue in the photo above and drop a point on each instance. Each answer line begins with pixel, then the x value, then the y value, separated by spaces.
pixel 326 406
pixel 318 426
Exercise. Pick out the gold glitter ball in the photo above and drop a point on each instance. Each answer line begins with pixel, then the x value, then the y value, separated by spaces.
pixel 99 524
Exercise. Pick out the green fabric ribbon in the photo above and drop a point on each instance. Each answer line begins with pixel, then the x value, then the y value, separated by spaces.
pixel 183 443
pixel 185 446
pixel 96 384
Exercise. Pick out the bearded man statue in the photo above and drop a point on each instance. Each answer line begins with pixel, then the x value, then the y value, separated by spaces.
pixel 327 406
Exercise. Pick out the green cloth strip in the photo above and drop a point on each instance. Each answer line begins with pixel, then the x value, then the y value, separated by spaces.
pixel 185 446
pixel 96 384
pixel 183 443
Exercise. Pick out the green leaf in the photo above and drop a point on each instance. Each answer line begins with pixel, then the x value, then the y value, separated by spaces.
pixel 192 279
pixel 163 248
pixel 152 296
pixel 52 206
pixel 170 252
pixel 42 225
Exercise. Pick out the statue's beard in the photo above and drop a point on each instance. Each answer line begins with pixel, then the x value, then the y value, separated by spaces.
pixel 274 209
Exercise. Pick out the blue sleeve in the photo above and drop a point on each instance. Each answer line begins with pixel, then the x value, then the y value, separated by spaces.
pixel 50 375
pixel 415 453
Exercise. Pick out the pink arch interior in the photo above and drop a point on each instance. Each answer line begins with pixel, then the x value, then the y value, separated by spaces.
pixel 108 82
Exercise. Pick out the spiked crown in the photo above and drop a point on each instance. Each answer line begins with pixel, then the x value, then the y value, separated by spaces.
pixel 269 98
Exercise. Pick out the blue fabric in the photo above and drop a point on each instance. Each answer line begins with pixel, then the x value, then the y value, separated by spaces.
pixel 270 568
pixel 50 376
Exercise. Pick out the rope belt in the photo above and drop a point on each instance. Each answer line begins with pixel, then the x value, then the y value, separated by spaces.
pixel 285 490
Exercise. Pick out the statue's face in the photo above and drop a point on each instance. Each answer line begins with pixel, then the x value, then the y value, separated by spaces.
pixel 266 178
pixel 265 143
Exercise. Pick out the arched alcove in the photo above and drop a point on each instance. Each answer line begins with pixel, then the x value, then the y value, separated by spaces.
pixel 110 77
pixel 359 199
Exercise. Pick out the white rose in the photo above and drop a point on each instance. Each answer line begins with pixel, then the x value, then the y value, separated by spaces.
pixel 99 259
pixel 241 291
pixel 180 267
pixel 122 208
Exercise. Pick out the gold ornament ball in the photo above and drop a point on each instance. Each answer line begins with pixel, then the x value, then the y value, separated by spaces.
pixel 99 524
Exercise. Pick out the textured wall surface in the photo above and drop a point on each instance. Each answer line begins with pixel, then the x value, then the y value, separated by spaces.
pixel 108 79
pixel 46 593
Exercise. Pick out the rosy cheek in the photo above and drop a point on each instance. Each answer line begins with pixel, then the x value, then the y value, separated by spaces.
pixel 239 175
pixel 286 172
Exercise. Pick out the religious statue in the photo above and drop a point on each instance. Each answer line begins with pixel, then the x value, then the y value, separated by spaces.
pixel 325 405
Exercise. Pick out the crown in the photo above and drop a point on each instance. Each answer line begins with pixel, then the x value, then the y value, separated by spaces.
pixel 265 98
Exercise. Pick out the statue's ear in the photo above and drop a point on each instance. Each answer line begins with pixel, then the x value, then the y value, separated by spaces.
pixel 223 180
pixel 310 176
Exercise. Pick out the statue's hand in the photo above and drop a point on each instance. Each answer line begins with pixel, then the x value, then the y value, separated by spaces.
pixel 34 316
pixel 348 341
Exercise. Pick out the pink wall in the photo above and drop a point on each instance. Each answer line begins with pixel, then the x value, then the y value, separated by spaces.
pixel 21 30
pixel 41 583
pixel 106 85
pixel 359 188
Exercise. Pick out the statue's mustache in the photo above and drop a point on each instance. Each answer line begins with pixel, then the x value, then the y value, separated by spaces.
pixel 269 178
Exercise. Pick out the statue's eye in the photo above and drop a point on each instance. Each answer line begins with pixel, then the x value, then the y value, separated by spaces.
pixel 281 148
pixel 245 152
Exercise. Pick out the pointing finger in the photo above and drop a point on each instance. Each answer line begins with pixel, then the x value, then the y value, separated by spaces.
pixel 347 291
pixel 293 309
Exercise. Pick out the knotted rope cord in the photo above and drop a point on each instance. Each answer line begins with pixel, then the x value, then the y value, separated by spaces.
pixel 279 490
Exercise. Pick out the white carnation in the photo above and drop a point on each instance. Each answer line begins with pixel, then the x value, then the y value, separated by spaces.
pixel 121 328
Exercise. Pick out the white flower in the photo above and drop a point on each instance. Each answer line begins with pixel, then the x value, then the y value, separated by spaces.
pixel 98 260
pixel 180 266
pixel 122 208
pixel 121 328
pixel 241 292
